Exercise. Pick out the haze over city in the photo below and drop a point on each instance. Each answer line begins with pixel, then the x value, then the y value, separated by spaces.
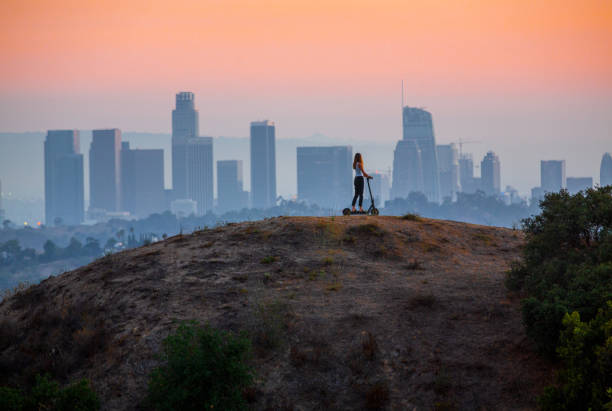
pixel 528 79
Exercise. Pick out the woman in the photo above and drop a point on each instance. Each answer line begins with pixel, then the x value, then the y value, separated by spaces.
pixel 359 175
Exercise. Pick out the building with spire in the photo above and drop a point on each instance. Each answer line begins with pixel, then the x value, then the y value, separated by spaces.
pixel 417 128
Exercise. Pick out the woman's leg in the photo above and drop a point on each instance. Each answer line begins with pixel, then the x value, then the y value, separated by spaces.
pixel 359 192
pixel 356 184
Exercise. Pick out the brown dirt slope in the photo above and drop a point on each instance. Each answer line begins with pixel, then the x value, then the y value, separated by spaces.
pixel 345 313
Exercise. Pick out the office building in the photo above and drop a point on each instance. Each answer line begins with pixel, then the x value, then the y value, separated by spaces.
pixel 64 192
pixel 199 167
pixel 448 170
pixel 605 170
pixel 576 184
pixel 469 184
pixel 230 188
pixel 184 126
pixel 142 181
pixel 418 128
pixel 552 175
pixel 324 176
pixel 105 170
pixel 490 179
pixel 407 169
pixel 380 188
pixel 263 164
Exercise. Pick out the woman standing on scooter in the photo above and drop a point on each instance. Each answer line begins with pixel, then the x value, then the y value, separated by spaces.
pixel 359 175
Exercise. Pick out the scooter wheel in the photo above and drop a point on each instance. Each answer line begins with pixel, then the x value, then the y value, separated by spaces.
pixel 375 211
pixel 346 211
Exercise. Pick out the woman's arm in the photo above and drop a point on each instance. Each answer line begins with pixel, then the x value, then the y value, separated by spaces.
pixel 360 165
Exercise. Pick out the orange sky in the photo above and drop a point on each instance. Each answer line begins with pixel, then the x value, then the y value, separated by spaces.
pixel 310 46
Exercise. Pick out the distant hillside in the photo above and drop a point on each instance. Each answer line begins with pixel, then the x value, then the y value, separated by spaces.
pixel 341 311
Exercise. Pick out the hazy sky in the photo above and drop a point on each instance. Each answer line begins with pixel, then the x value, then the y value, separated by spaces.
pixel 530 79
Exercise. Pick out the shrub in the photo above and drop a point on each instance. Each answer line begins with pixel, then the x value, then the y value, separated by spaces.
pixel 567 268
pixel 47 395
pixel 203 368
pixel 411 217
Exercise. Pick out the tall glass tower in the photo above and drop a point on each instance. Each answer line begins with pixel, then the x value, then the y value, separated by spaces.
pixel 184 126
pixel 605 170
pixel 418 137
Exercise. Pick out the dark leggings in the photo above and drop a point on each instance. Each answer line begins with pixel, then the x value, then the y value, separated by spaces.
pixel 358 191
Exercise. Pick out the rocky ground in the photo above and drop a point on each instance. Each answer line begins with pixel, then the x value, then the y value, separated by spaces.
pixel 344 313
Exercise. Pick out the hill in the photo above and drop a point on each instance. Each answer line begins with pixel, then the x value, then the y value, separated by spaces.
pixel 344 312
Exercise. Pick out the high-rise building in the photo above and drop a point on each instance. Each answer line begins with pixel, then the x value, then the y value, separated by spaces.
pixel 490 180
pixel 199 167
pixel 380 188
pixel 418 127
pixel 448 169
pixel 605 170
pixel 407 169
pixel 184 126
pixel 230 188
pixel 142 181
pixel 64 196
pixel 105 170
pixel 552 175
pixel 466 174
pixel 576 184
pixel 324 175
pixel 263 164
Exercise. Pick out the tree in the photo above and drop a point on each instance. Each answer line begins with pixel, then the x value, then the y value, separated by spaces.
pixel 51 251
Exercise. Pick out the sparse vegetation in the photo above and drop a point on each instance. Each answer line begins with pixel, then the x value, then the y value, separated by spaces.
pixel 203 368
pixel 268 323
pixel 47 394
pixel 422 300
pixel 269 259
pixel 412 217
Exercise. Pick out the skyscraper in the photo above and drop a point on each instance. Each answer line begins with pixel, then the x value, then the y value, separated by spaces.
pixel 407 169
pixel 605 170
pixel 490 180
pixel 184 126
pixel 418 127
pixel 199 168
pixel 448 167
pixel 105 170
pixel 230 192
pixel 380 188
pixel 324 175
pixel 263 164
pixel 64 196
pixel 466 174
pixel 142 181
pixel 552 175
pixel 576 184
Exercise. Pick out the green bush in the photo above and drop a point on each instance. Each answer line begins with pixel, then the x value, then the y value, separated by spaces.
pixel 567 262
pixel 47 395
pixel 586 350
pixel 567 268
pixel 203 368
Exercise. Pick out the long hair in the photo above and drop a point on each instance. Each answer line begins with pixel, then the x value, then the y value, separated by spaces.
pixel 357 159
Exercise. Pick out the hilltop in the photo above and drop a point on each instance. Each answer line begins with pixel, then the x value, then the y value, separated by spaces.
pixel 344 312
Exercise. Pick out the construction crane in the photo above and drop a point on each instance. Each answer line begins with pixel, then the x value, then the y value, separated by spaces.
pixel 462 142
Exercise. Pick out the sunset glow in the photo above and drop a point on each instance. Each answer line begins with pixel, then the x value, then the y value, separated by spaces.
pixel 310 46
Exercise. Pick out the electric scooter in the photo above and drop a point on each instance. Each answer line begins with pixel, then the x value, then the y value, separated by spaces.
pixel 371 211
